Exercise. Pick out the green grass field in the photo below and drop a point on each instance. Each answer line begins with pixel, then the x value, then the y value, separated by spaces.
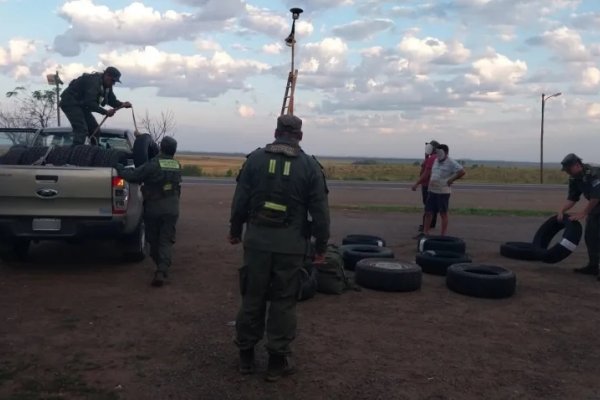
pixel 213 166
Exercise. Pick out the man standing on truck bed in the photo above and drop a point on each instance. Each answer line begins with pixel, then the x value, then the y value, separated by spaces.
pixel 161 178
pixel 87 93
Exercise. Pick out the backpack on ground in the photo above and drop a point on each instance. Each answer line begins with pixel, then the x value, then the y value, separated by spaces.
pixel 331 276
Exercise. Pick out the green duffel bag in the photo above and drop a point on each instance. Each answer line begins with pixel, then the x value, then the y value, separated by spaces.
pixel 331 276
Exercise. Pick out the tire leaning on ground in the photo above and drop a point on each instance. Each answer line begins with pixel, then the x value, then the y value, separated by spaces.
pixel 441 243
pixel 481 280
pixel 521 251
pixel 388 275
pixel 563 249
pixel 437 262
pixel 144 148
pixel 364 239
pixel 353 253
pixel 83 155
pixel 13 155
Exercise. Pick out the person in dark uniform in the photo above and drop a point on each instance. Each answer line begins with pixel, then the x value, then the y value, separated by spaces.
pixel 278 186
pixel 90 93
pixel 424 177
pixel 584 180
pixel 161 179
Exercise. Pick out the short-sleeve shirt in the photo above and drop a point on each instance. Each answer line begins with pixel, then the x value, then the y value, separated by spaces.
pixel 440 173
pixel 588 184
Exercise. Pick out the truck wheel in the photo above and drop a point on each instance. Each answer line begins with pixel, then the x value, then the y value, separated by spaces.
pixel 388 275
pixel 59 156
pixel 364 239
pixel 83 155
pixel 109 158
pixel 479 280
pixel 353 253
pixel 15 250
pixel 134 245
pixel 13 155
pixel 144 148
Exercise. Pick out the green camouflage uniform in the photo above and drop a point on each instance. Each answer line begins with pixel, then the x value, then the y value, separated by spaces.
pixel 161 178
pixel 277 187
pixel 83 96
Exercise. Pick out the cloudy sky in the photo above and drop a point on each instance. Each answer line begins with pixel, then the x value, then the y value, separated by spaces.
pixel 376 77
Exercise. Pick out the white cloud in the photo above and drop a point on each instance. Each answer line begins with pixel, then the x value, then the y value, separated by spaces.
pixel 315 5
pixel 363 29
pixel 207 45
pixel 246 111
pixel 13 57
pixel 566 43
pixel 496 73
pixel 420 52
pixel 273 48
pixel 589 81
pixel 273 24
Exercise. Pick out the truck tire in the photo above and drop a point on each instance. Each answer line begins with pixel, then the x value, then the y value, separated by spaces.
pixel 441 243
pixel 353 253
pixel 388 275
pixel 109 158
pixel 83 155
pixel 33 154
pixel 364 239
pixel 14 250
pixel 479 280
pixel 572 232
pixel 13 155
pixel 134 245
pixel 521 251
pixel 144 149
pixel 437 262
pixel 59 155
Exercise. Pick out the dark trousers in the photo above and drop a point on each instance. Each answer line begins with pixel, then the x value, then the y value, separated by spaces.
pixel 273 278
pixel 424 195
pixel 160 235
pixel 592 238
pixel 82 121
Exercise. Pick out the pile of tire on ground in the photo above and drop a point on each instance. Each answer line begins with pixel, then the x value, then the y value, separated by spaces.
pixel 437 253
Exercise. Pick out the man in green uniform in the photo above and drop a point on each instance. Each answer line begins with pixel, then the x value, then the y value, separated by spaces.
pixel 278 186
pixel 161 179
pixel 86 94
pixel 584 179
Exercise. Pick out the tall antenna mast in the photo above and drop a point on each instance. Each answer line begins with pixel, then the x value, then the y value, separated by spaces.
pixel 290 88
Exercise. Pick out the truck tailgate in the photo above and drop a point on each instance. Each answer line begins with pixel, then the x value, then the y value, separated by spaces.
pixel 55 191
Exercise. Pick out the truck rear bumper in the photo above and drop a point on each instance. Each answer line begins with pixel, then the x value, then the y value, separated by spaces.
pixel 97 228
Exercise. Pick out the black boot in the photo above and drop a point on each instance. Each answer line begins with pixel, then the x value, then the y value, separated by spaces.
pixel 159 279
pixel 247 361
pixel 587 270
pixel 279 366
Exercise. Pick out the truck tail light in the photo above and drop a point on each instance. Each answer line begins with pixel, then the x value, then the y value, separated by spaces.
pixel 120 195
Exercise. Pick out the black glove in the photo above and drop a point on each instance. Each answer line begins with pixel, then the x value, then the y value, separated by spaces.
pixel 119 167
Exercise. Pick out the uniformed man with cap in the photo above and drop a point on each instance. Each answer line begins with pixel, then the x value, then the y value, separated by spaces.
pixel 584 180
pixel 90 93
pixel 278 186
pixel 161 179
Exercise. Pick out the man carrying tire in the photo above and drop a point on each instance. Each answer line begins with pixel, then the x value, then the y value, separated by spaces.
pixel 276 189
pixel 424 177
pixel 161 179
pixel 443 174
pixel 90 93
pixel 584 179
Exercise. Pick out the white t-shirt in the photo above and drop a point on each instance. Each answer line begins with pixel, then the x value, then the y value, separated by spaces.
pixel 440 173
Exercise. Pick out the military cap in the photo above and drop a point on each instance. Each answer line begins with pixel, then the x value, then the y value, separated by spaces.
pixel 289 123
pixel 434 143
pixel 569 160
pixel 114 73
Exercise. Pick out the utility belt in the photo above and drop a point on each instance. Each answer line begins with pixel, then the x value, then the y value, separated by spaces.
pixel 271 215
pixel 157 193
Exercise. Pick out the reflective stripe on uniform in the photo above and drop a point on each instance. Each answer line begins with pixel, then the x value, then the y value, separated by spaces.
pixel 167 163
pixel 276 207
pixel 286 168
pixel 272 166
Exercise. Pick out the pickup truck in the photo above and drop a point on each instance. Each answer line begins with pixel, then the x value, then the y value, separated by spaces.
pixel 52 190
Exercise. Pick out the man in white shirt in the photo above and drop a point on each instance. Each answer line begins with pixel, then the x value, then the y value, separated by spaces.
pixel 443 174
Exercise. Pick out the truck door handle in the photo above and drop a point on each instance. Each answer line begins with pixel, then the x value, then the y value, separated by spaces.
pixel 47 178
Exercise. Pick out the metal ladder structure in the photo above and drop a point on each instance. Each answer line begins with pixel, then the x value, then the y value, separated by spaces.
pixel 290 88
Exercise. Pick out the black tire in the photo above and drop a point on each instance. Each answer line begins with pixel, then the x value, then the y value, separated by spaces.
pixel 388 275
pixel 364 239
pixel 15 250
pixel 437 262
pixel 59 155
pixel 13 155
pixel 353 253
pixel 109 158
pixel 441 243
pixel 479 280
pixel 32 155
pixel 144 149
pixel 521 251
pixel 83 155
pixel 570 239
pixel 135 247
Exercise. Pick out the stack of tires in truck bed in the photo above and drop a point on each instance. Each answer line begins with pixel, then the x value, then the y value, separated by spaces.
pixel 81 156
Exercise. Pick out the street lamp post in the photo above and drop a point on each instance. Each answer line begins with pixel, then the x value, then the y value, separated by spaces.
pixel 544 98
pixel 54 79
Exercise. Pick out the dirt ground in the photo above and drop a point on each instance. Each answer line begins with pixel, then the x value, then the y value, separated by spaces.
pixel 76 323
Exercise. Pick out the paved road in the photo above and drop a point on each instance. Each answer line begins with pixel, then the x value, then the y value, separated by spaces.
pixel 361 185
